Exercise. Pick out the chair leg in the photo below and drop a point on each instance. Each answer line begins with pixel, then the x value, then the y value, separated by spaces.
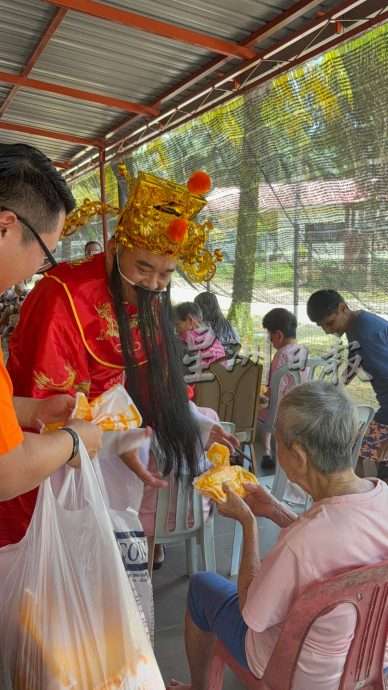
pixel 236 548
pixel 151 548
pixel 253 459
pixel 191 556
pixel 207 546
pixel 216 675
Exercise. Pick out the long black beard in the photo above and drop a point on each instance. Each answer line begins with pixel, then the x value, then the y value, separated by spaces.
pixel 157 387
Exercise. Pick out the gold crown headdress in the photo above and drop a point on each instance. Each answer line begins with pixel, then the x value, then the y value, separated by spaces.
pixel 159 216
pixel 83 214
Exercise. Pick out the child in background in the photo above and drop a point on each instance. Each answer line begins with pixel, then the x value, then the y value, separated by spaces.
pixel 213 317
pixel 198 338
pixel 195 335
pixel 281 325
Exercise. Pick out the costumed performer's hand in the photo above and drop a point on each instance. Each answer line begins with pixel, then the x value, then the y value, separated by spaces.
pixel 235 506
pixel 132 459
pixel 58 408
pixel 261 502
pixel 91 436
pixel 383 452
pixel 219 435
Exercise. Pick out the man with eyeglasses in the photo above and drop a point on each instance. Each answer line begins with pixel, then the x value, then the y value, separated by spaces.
pixel 34 201
pixel 108 319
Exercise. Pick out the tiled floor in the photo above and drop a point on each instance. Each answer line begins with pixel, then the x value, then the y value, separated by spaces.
pixel 170 588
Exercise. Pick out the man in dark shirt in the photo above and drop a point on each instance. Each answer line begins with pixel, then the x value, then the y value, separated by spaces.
pixel 367 336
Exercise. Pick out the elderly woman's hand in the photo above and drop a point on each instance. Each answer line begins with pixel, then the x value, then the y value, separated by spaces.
pixel 261 502
pixel 234 506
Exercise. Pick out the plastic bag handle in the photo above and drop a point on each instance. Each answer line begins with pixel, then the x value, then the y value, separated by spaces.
pixel 100 481
pixel 82 481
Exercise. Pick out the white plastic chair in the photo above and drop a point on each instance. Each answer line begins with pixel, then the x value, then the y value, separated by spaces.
pixel 365 414
pixel 315 366
pixel 188 525
pixel 234 395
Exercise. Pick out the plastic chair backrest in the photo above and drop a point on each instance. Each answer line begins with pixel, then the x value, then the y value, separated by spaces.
pixel 367 589
pixel 316 370
pixel 365 414
pixel 179 498
pixel 180 517
pixel 233 394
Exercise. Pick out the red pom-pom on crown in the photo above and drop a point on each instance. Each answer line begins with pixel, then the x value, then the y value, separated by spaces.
pixel 199 183
pixel 177 229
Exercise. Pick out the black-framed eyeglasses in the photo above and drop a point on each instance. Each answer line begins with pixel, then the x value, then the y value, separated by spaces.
pixel 48 257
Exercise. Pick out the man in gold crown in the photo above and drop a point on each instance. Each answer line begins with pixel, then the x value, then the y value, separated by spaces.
pixel 89 325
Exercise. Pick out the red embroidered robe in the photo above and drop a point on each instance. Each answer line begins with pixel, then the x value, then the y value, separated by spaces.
pixel 67 341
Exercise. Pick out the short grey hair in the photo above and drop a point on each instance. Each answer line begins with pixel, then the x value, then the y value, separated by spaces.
pixel 321 418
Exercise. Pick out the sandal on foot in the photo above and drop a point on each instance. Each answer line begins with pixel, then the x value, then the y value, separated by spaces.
pixel 267 462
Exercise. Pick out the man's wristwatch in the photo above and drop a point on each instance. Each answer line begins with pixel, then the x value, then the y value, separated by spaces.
pixel 75 438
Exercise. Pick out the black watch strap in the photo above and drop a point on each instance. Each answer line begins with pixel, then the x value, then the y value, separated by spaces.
pixel 75 438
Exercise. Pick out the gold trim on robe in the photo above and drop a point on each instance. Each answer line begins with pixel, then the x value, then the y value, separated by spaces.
pixel 86 287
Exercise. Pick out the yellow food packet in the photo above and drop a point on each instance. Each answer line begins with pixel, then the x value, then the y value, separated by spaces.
pixel 83 409
pixel 210 482
pixel 113 410
pixel 218 454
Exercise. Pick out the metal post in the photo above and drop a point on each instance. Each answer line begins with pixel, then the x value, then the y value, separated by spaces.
pixel 101 159
pixel 296 256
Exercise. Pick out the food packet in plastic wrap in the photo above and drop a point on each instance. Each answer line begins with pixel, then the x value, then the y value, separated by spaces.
pixel 210 482
pixel 113 410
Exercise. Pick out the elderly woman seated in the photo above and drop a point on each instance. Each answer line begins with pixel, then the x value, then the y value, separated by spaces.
pixel 346 527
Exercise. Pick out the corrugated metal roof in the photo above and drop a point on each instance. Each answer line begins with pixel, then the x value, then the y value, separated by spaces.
pixel 115 60
pixel 60 113
pixel 22 22
pixel 125 63
pixel 222 18
pixel 56 150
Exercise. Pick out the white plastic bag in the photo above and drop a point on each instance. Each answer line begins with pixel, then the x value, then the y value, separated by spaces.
pixel 133 546
pixel 68 617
